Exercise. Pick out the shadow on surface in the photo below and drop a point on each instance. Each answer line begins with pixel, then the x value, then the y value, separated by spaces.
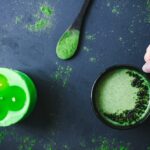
pixel 47 108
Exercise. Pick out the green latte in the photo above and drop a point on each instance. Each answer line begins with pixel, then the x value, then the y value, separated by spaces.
pixel 122 97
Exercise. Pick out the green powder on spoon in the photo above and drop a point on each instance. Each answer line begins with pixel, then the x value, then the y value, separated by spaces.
pixel 68 44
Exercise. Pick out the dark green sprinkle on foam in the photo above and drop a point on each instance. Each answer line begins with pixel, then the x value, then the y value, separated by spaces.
pixel 129 116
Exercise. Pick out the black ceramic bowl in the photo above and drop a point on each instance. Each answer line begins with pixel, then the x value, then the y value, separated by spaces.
pixel 93 96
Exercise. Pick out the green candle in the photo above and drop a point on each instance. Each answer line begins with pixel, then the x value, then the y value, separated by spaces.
pixel 122 97
pixel 3 82
pixel 17 96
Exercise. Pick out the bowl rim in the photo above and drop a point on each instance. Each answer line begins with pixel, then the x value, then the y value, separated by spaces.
pixel 99 116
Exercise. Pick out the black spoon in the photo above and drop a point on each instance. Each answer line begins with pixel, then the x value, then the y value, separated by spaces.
pixel 68 43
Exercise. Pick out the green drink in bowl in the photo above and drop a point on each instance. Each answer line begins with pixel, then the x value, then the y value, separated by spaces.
pixel 121 97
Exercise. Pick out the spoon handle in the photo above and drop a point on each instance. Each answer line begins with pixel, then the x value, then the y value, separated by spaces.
pixel 78 21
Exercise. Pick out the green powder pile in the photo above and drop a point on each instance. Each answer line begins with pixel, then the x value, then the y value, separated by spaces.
pixel 68 44
pixel 62 74
pixel 43 19
pixel 46 10
pixel 39 25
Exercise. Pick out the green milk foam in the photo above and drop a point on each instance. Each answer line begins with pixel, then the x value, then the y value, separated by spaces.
pixel 68 44
pixel 115 94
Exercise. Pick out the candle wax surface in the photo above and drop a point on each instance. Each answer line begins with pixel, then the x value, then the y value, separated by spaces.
pixel 17 96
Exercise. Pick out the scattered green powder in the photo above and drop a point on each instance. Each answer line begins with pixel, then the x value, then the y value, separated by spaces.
pixel 106 144
pixel 48 147
pixel 18 19
pixel 82 143
pixel 43 19
pixel 92 59
pixel 39 25
pixel 86 49
pixel 29 143
pixel 116 10
pixel 26 143
pixel 90 37
pixel 37 16
pixel 62 74
pixel 68 44
pixel 131 28
pixel 108 4
pixel 93 140
pixel 120 38
pixel 66 147
pixel 46 10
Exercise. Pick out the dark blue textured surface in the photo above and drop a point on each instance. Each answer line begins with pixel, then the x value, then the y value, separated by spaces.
pixel 65 115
